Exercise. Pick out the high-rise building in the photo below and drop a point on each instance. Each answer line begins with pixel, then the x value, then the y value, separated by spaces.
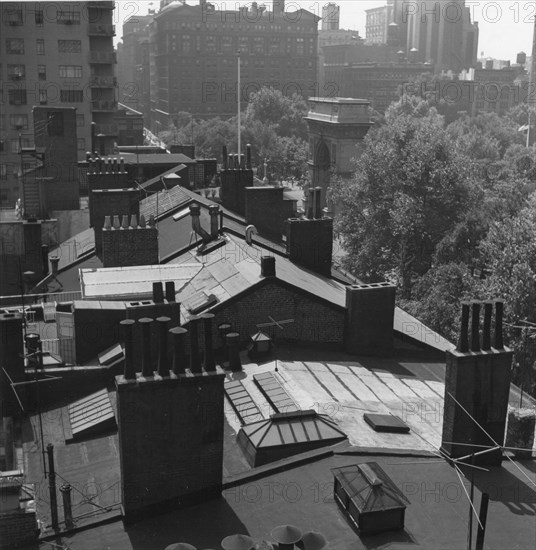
pixel 330 17
pixel 133 63
pixel 54 53
pixel 441 34
pixel 193 62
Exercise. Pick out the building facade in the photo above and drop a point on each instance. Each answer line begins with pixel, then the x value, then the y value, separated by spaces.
pixel 54 54
pixel 193 62
pixel 330 17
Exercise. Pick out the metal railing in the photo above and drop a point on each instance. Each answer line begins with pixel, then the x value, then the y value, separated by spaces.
pixel 30 299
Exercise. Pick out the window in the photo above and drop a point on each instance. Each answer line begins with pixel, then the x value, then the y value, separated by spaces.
pixel 70 71
pixel 13 17
pixel 80 122
pixel 3 171
pixel 17 97
pixel 14 146
pixel 18 122
pixel 41 72
pixel 55 123
pixel 43 99
pixel 15 46
pixel 71 96
pixel 16 72
pixel 227 44
pixel 186 45
pixel 68 18
pixel 81 144
pixel 40 46
pixel 210 44
pixel 39 17
pixel 2 122
pixel 69 46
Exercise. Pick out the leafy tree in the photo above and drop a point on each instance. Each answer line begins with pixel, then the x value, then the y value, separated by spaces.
pixel 407 193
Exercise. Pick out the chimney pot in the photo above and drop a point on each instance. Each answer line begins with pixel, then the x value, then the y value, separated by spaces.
pixel 170 291
pixel 248 156
pixel 499 310
pixel 122 164
pixel 475 327
pixel 224 157
pixel 107 222
pixel 129 368
pixel 147 369
pixel 210 364
pixel 267 266
pixel 233 348
pixel 242 161
pixel 486 332
pixel 115 222
pixel 115 165
pixel 195 361
pixel 179 357
pixel 124 222
pixel 142 220
pixel 158 292
pixel 214 211
pixel 163 366
pixel 54 262
pixel 463 341
pixel 134 221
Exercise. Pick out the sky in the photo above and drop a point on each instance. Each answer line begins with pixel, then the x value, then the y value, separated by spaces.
pixel 506 26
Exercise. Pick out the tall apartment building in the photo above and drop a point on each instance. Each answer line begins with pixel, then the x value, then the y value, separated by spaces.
pixel 193 57
pixel 133 63
pixel 54 53
pixel 441 33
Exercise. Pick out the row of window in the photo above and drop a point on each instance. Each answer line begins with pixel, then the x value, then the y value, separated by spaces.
pixel 14 17
pixel 19 97
pixel 245 26
pixel 22 122
pixel 18 72
pixel 15 46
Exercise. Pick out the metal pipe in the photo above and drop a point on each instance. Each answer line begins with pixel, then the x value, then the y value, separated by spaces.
pixel 146 364
pixel 163 364
pixel 129 369
pixel 179 357
pixel 195 361
pixel 52 487
pixel 67 506
pixel 210 364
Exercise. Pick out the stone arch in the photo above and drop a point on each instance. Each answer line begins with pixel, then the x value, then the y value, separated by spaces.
pixel 322 158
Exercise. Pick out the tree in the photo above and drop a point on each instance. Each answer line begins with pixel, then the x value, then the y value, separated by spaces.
pixel 407 193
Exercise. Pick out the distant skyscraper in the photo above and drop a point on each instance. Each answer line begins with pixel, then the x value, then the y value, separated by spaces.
pixel 441 34
pixel 330 17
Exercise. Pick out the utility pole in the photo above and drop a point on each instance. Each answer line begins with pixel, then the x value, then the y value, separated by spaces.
pixel 238 105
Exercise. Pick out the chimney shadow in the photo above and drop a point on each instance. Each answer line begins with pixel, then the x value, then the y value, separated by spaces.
pixel 387 538
pixel 503 486
pixel 203 526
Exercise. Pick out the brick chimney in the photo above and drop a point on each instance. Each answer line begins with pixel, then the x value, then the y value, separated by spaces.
pixel 310 240
pixel 170 432
pixel 234 180
pixel 370 313
pixel 126 242
pixel 111 202
pixel 477 385
pixel 267 210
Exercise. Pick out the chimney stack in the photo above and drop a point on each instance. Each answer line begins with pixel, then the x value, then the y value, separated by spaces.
pixel 195 361
pixel 248 156
pixel 477 388
pixel 210 364
pixel 147 367
pixel 163 365
pixel 224 158
pixel 179 355
pixel 129 370
pixel 54 262
pixel 170 291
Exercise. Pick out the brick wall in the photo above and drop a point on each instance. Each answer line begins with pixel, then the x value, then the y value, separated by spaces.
pixel 130 245
pixel 170 442
pixel 310 243
pixel 17 529
pixel 11 351
pixel 267 211
pixel 111 202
